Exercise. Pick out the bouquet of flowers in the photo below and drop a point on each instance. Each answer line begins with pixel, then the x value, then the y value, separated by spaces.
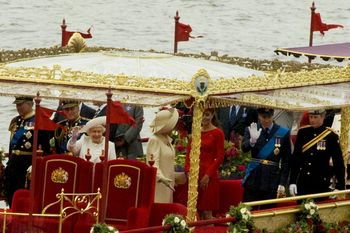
pixel 244 221
pixel 177 223
pixel 235 161
pixel 103 228
pixel 309 212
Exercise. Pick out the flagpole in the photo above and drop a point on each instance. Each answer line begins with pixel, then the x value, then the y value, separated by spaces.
pixel 176 18
pixel 34 153
pixel 311 37
pixel 105 161
pixel 63 28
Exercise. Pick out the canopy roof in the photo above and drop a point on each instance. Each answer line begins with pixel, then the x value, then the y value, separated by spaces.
pixel 339 52
pixel 155 79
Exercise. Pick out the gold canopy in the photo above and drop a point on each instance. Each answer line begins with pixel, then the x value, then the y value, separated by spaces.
pixel 155 79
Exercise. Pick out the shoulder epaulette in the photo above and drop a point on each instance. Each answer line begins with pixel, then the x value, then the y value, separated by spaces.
pixel 305 126
pixel 12 123
pixel 331 129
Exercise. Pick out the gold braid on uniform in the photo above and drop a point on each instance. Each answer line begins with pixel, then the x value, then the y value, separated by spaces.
pixel 194 160
pixel 60 136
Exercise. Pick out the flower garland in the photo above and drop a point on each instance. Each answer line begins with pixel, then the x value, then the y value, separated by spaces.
pixel 103 228
pixel 309 212
pixel 244 221
pixel 177 223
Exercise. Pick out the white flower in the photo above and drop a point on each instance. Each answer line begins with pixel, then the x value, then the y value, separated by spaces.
pixel 308 216
pixel 245 216
pixel 248 213
pixel 163 223
pixel 111 228
pixel 92 230
pixel 312 204
pixel 228 215
pixel 176 220
pixel 307 206
pixel 312 211
pixel 243 210
pixel 183 223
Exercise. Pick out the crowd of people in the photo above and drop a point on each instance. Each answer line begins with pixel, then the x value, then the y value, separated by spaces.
pixel 280 164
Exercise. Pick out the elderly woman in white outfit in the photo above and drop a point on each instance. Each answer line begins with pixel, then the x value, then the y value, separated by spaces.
pixel 92 143
pixel 162 152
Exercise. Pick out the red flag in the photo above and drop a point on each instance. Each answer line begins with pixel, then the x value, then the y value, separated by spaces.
pixel 318 25
pixel 118 115
pixel 43 121
pixel 68 34
pixel 182 32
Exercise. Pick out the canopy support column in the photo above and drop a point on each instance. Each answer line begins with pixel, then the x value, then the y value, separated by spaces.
pixel 344 134
pixel 194 160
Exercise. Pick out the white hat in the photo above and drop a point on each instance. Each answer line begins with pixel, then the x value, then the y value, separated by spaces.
pixel 165 121
pixel 98 121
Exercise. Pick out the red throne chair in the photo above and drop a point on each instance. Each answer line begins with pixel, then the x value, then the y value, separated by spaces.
pixel 231 193
pixel 53 173
pixel 129 197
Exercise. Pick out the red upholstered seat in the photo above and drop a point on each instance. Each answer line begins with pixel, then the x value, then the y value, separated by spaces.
pixel 160 210
pixel 53 173
pixel 130 194
pixel 231 193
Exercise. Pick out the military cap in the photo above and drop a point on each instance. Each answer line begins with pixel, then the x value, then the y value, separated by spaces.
pixel 265 111
pixel 316 111
pixel 69 104
pixel 22 99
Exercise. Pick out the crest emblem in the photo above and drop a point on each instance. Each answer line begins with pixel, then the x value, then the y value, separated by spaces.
pixel 201 84
pixel 122 181
pixel 59 176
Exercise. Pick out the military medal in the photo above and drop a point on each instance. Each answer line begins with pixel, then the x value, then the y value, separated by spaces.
pixel 276 151
pixel 321 145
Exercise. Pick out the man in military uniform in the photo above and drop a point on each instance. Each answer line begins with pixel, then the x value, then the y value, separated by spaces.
pixel 21 146
pixel 270 146
pixel 315 146
pixel 61 136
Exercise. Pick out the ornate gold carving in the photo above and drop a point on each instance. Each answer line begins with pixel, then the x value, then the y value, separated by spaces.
pixel 122 181
pixel 77 42
pixel 194 160
pixel 59 176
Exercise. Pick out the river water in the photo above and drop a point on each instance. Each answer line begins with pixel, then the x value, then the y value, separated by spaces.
pixel 247 28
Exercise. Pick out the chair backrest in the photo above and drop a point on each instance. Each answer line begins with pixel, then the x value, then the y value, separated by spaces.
pixel 130 184
pixel 57 172
pixel 231 193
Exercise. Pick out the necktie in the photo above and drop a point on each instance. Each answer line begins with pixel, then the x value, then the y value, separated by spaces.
pixel 232 114
pixel 267 132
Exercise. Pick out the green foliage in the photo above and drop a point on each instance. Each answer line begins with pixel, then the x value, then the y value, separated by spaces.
pixel 177 223
pixel 244 221
pixel 103 228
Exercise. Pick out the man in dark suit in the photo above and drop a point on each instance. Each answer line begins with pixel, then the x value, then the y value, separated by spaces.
pixel 314 147
pixel 235 119
pixel 126 137
pixel 270 146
